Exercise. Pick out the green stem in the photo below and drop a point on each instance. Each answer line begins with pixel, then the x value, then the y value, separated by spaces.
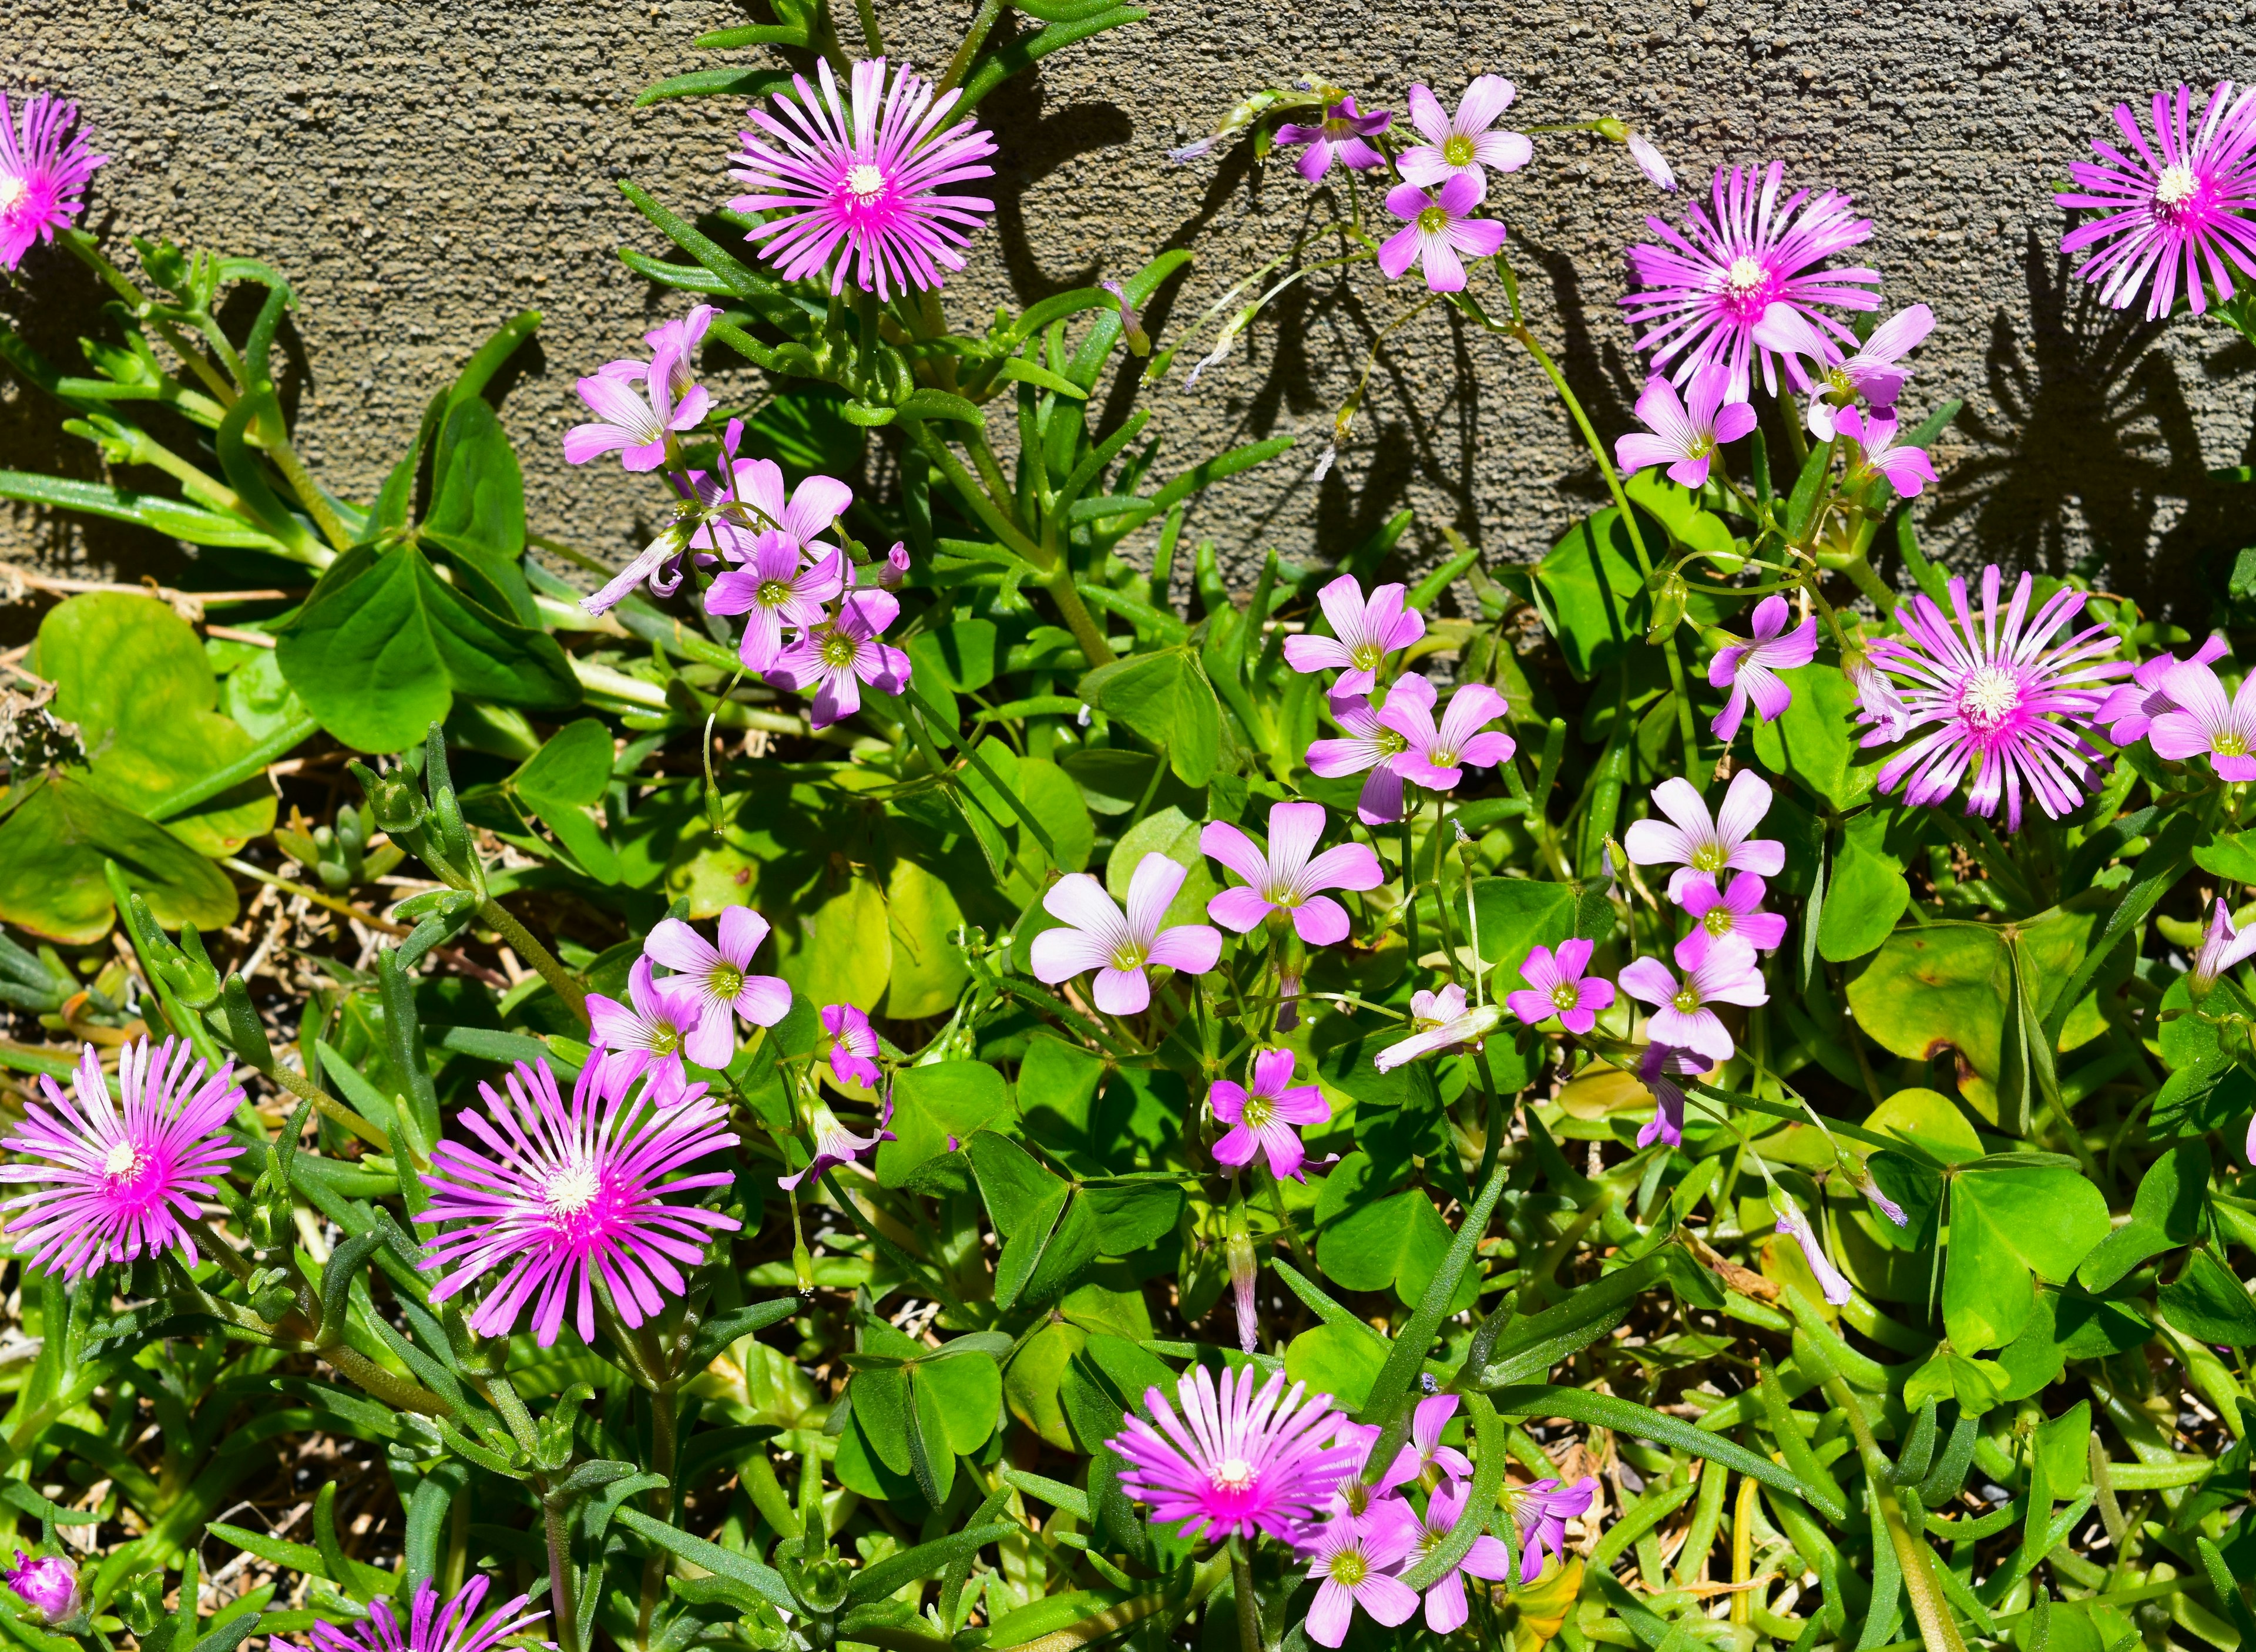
pixel 974 38
pixel 555 1514
pixel 569 986
pixel 1409 884
pixel 1093 644
pixel 665 1419
pixel 873 40
pixel 1862 576
pixel 1249 1604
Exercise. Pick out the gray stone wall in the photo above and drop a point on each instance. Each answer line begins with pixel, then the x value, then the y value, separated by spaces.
pixel 424 171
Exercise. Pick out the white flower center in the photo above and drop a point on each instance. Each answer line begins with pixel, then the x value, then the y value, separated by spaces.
pixel 1566 995
pixel 572 1189
pixel 1256 1114
pixel 1990 694
pixel 1128 955
pixel 1366 656
pixel 1283 895
pixel 865 183
pixel 1233 1474
pixel 2175 188
pixel 1708 857
pixel 1744 276
pixel 1443 758
pixel 122 1161
pixel 2231 743
pixel 1718 921
pixel 13 192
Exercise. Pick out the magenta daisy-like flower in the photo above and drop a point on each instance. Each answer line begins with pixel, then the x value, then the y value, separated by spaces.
pixel 1238 1461
pixel 720 980
pixel 48 1584
pixel 1266 1118
pixel 1439 1021
pixel 1540 1514
pixel 2178 210
pixel 1436 757
pixel 1734 909
pixel 1368 745
pixel 1363 634
pixel 561 1198
pixel 1796 1225
pixel 2222 948
pixel 43 167
pixel 836 657
pixel 1291 876
pixel 1354 1563
pixel 1685 438
pixel 1439 232
pixel 2202 722
pixel 1704 289
pixel 1750 669
pixel 653 1029
pixel 114 1185
pixel 2001 696
pixel 1338 136
pixel 773 590
pixel 1488 1559
pixel 1465 143
pixel 1695 842
pixel 1907 469
pixel 836 1145
pixel 865 178
pixel 1682 1018
pixel 853 1045
pixel 1121 947
pixel 2132 707
pixel 431 1628
pixel 1557 986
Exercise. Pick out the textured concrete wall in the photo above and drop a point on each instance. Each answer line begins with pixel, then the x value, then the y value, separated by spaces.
pixel 423 171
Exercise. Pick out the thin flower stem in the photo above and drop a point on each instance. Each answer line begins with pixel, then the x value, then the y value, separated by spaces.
pixel 1248 1604
pixel 974 38
pixel 1284 1221
pixel 873 40
pixel 569 986
pixel 1409 884
pixel 555 1514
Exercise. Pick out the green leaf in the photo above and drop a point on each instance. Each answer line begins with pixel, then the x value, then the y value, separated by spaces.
pixel 996 67
pixel 2165 1213
pixel 1453 1287
pixel 1864 893
pixel 2208 1303
pixel 477 501
pixel 741 85
pixel 1597 596
pixel 1335 1360
pixel 1624 1416
pixel 928 968
pixel 169 517
pixel 1530 1347
pixel 1174 834
pixel 845 952
pixel 1517 913
pixel 2008 1229
pixel 384 645
pixel 710 1556
pixel 932 1103
pixel 1395 1243
pixel 52 850
pixel 1166 698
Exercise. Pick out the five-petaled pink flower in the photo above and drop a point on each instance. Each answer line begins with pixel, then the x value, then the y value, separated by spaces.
pixel 1265 1118
pixel 1540 1514
pixel 2179 215
pixel 1463 145
pixel 1436 758
pixel 1488 1559
pixel 836 657
pixel 1557 986
pixel 720 980
pixel 1438 1021
pixel 1338 136
pixel 1750 668
pixel 1098 936
pixel 835 1144
pixel 652 1028
pixel 454 1628
pixel 866 179
pixel 1725 974
pixel 775 591
pixel 1355 1562
pixel 1683 437
pixel 112 1185
pixel 1238 1461
pixel 1999 694
pixel 1876 372
pixel 1908 470
pixel 2202 720
pixel 2132 707
pixel 1438 232
pixel 636 413
pixel 1286 878
pixel 1424 1449
pixel 2222 948
pixel 1796 1225
pixel 853 1045
pixel 48 1584
pixel 1369 744
pixel 42 172
pixel 1705 290
pixel 561 1198
pixel 1363 634
pixel 759 506
pixel 1734 909
pixel 1658 1069
pixel 1698 843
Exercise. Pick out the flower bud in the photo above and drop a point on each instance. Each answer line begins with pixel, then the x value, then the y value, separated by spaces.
pixel 393 803
pixel 48 1584
pixel 1670 594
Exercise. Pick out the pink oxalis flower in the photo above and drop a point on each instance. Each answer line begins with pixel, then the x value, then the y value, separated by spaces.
pixel 1658 1068
pixel 1733 910
pixel 1340 135
pixel 774 591
pixel 1238 1461
pixel 837 656
pixel 853 1045
pixel 1488 1559
pixel 1540 1514
pixel 1438 232
pixel 1650 161
pixel 1875 373
pixel 44 168
pixel 652 1028
pixel 835 1145
pixel 1424 1449
pixel 1684 437
pixel 1120 947
pixel 862 186
pixel 1465 143
pixel 1696 843
pixel 1436 757
pixel 1438 1021
pixel 2222 948
pixel 1288 878
pixel 719 978
pixel 1363 634
pixel 1796 1225
pixel 1353 1563
pixel 1750 669
pixel 1908 470
pixel 802 516
pixel 637 415
pixel 1557 986
pixel 1368 745
pixel 1268 1118
pixel 2202 722
pixel 1682 1018
pixel 2131 708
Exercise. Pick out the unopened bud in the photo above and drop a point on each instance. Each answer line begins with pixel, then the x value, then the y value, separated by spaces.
pixel 1237 1253
pixel 48 1584
pixel 1670 594
pixel 393 803
pixel 1131 326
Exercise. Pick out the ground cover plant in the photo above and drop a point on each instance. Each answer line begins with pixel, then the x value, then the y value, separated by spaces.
pixel 916 1068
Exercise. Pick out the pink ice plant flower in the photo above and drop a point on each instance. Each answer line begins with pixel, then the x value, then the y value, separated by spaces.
pixel 1540 1514
pixel 837 656
pixel 719 978
pixel 1353 1563
pixel 2180 209
pixel 773 590
pixel 1750 669
pixel 1439 232
pixel 44 169
pixel 1682 1016
pixel 1908 470
pixel 1796 1225
pixel 2202 722
pixel 1268 1117
pixel 431 1628
pixel 2222 948
pixel 1121 947
pixel 1465 143
pixel 1557 986
pixel 1446 1607
pixel 853 1045
pixel 1340 135
pixel 638 413
pixel 1703 290
pixel 1363 634
pixel 1436 758
pixel 867 179
pixel 1424 1449
pixel 1684 437
pixel 1238 1461
pixel 561 1199
pixel 2000 695
pixel 1734 909
pixel 1288 878
pixel 1368 745
pixel 112 1184
pixel 652 1028
pixel 835 1145
pixel 2132 707
pixel 1696 843
pixel 1438 1021
pixel 1875 373
pixel 48 1584
pixel 1650 161
pixel 1658 1068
